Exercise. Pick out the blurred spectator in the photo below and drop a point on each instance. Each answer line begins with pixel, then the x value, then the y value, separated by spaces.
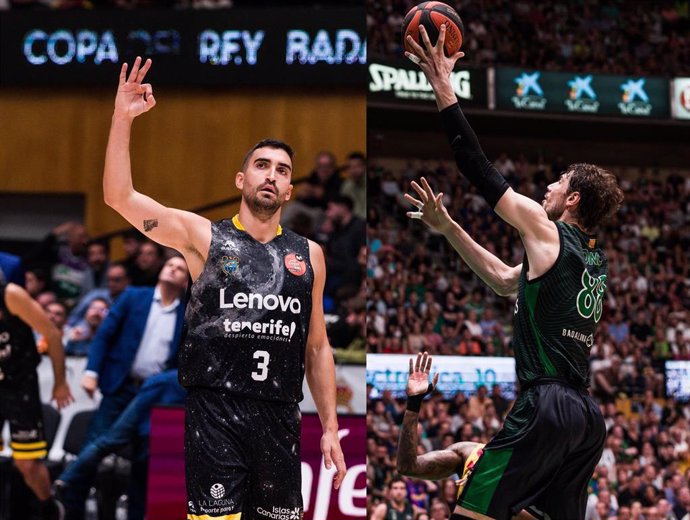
pixel 45 298
pixel 98 258
pixel 79 338
pixel 147 265
pixel 116 280
pixel 11 269
pixel 355 183
pixel 344 236
pixel 131 242
pixel 313 196
pixel 37 281
pixel 57 313
pixel 63 254
pixel 397 501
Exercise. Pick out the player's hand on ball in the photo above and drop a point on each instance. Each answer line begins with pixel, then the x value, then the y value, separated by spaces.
pixel 418 379
pixel 333 454
pixel 432 58
pixel 430 209
pixel 62 395
pixel 134 97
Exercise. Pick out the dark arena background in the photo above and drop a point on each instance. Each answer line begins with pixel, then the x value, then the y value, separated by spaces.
pixel 544 85
pixel 226 73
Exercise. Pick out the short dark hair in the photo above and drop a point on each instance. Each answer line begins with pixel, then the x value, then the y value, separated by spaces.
pixel 357 155
pixel 99 299
pixel 600 196
pixel 133 233
pixel 99 242
pixel 344 200
pixel 268 143
pixel 396 479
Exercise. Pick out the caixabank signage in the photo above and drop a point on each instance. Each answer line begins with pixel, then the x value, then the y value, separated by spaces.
pixel 680 103
pixel 581 93
pixel 402 82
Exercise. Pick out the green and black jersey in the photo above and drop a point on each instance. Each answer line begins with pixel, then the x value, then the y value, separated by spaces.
pixel 556 314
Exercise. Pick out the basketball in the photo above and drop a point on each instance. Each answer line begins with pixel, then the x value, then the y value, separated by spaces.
pixel 432 15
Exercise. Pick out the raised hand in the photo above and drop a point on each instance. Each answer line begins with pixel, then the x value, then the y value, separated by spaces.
pixel 432 59
pixel 430 209
pixel 418 380
pixel 134 97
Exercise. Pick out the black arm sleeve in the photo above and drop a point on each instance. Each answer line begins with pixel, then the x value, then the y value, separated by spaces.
pixel 470 157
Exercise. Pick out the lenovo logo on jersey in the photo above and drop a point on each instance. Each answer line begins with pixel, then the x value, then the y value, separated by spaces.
pixel 259 301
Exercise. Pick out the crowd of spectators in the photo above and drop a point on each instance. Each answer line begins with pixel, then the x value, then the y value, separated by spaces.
pixel 424 298
pixel 589 36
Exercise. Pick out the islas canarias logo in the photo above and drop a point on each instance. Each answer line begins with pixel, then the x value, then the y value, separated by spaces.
pixel 581 95
pixel 634 99
pixel 528 94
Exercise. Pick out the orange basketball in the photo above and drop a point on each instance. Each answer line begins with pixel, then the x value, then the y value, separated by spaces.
pixel 432 15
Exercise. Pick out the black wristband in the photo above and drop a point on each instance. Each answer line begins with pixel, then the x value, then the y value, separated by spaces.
pixel 414 402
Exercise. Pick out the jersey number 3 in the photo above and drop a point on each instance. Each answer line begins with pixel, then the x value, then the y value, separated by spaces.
pixel 261 372
pixel 590 298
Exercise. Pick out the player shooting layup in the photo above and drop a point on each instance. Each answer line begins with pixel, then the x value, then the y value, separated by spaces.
pixel 255 322
pixel 559 287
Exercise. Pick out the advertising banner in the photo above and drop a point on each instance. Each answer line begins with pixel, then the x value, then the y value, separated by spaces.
pixel 350 392
pixel 680 102
pixel 678 380
pixel 257 47
pixel 166 484
pixel 457 374
pixel 403 82
pixel 581 93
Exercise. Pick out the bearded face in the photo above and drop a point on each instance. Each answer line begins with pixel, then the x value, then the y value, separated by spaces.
pixel 265 184
pixel 555 198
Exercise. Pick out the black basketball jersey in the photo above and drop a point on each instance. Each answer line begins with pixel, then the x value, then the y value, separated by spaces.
pixel 18 353
pixel 248 316
pixel 556 314
pixel 393 514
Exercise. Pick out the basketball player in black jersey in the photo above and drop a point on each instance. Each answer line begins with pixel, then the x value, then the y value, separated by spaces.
pixel 560 287
pixel 255 324
pixel 20 401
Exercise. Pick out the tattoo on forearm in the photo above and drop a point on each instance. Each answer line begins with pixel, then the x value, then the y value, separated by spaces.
pixel 434 465
pixel 150 224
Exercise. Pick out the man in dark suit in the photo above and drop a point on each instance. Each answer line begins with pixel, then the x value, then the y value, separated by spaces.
pixel 137 340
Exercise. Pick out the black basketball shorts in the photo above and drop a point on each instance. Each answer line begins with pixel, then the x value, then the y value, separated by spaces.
pixel 541 460
pixel 20 404
pixel 242 457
